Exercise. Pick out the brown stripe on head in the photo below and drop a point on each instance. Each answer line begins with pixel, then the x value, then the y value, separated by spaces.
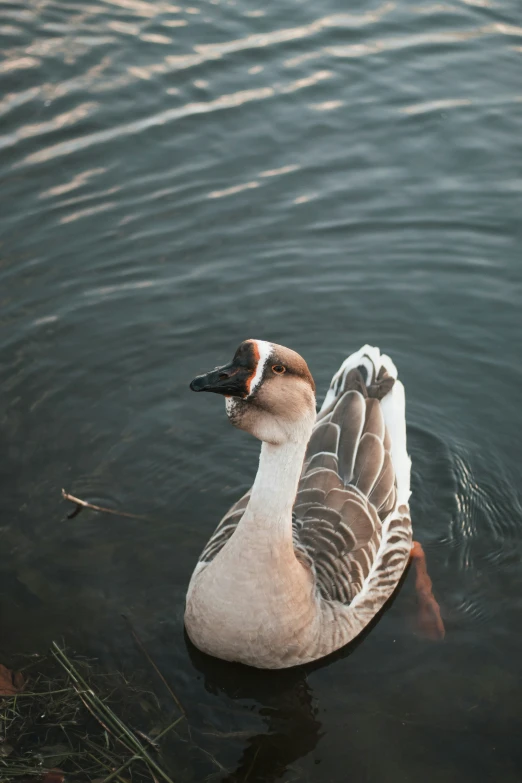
pixel 255 377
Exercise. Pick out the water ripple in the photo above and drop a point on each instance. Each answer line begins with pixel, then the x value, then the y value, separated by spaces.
pixel 483 533
pixel 78 181
pixel 64 120
pixel 19 64
pixel 336 21
pixel 229 101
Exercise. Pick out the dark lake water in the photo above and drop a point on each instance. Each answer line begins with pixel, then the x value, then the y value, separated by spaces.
pixel 177 179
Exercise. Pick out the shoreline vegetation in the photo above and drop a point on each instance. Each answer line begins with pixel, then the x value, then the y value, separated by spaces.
pixel 62 718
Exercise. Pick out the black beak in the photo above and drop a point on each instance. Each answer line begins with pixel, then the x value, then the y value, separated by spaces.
pixel 234 379
pixel 229 380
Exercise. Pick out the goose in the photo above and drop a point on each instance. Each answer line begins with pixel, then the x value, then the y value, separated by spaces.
pixel 302 563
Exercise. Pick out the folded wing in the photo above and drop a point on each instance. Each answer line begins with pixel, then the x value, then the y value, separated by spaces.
pixel 348 485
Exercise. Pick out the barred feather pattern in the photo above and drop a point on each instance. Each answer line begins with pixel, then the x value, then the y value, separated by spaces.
pixel 348 526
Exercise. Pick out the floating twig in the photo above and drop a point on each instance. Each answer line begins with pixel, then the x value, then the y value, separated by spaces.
pixel 81 504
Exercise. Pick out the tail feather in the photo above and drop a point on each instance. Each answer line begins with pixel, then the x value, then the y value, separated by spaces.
pixel 375 372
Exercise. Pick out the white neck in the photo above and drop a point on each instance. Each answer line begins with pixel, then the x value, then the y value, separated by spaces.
pixel 268 516
pixel 256 598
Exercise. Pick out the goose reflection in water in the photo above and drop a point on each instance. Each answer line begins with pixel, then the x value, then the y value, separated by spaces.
pixel 285 701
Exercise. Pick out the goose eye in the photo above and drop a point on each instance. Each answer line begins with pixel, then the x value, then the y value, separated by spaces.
pixel 278 369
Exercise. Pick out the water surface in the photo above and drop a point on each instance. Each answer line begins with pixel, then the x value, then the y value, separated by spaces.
pixel 176 179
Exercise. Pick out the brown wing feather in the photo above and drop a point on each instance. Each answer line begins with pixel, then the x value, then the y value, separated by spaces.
pixel 340 532
pixel 225 529
pixel 348 414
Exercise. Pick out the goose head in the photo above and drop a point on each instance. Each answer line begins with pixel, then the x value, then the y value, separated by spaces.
pixel 268 389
